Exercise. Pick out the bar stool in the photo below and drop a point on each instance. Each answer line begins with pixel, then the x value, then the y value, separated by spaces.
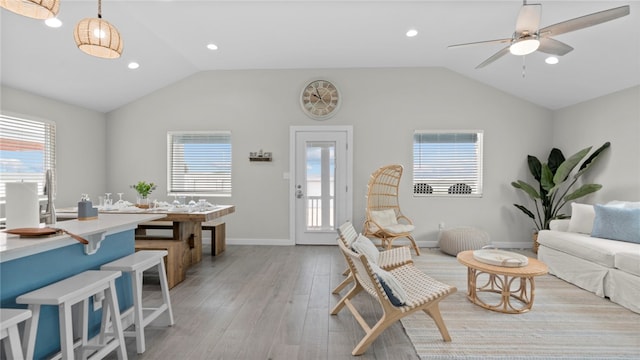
pixel 64 294
pixel 9 320
pixel 136 264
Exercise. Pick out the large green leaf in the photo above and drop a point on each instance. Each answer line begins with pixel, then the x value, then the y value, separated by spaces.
pixel 555 159
pixel 586 165
pixel 525 210
pixel 533 193
pixel 567 166
pixel 585 189
pixel 547 178
pixel 534 166
pixel 595 154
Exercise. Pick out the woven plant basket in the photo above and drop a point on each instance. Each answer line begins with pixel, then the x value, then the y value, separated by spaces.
pixel 535 243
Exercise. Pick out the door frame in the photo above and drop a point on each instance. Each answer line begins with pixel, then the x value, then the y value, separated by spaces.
pixel 348 129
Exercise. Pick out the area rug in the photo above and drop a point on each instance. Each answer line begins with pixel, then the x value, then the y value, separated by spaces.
pixel 565 322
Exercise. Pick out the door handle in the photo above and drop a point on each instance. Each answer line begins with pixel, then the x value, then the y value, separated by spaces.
pixel 299 194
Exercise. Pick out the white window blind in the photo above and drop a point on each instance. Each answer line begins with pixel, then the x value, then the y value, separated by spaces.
pixel 447 163
pixel 199 163
pixel 27 151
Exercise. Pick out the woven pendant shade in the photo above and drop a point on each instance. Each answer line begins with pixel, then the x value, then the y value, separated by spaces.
pixel 98 37
pixel 36 9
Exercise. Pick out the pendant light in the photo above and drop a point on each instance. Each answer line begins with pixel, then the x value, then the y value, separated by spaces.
pixel 36 9
pixel 98 37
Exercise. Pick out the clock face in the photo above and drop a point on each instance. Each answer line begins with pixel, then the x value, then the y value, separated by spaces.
pixel 320 99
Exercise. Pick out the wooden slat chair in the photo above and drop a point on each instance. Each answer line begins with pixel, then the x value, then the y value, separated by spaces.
pixel 389 259
pixel 423 292
pixel 384 220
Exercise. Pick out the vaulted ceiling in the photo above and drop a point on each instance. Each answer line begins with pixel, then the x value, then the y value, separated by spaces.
pixel 168 39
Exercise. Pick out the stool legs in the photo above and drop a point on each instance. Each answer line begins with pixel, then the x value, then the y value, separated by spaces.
pixel 112 301
pixel 165 309
pixel 9 320
pixel 164 285
pixel 30 332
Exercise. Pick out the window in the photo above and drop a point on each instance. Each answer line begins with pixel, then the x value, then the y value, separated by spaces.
pixel 27 151
pixel 199 163
pixel 447 163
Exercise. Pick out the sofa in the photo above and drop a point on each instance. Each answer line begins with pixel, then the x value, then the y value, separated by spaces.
pixel 597 249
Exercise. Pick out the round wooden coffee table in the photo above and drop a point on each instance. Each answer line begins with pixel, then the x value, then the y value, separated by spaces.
pixel 510 282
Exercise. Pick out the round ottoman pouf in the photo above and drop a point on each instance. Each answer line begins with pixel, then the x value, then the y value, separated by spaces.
pixel 453 241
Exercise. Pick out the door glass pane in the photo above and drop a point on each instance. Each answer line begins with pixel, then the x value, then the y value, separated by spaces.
pixel 320 185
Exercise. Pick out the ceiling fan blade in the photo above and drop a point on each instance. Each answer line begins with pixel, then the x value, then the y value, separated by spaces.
pixel 554 47
pixel 497 41
pixel 528 18
pixel 584 21
pixel 494 57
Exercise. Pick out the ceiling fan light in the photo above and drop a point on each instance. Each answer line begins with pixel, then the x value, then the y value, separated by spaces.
pixel 97 37
pixel 524 47
pixel 36 9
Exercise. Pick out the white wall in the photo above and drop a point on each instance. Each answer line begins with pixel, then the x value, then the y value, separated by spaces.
pixel 384 106
pixel 80 134
pixel 615 118
pixel 98 153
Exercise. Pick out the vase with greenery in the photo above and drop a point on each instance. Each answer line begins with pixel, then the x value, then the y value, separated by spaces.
pixel 555 184
pixel 143 189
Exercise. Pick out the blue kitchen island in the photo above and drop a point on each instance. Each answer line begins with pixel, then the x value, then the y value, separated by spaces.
pixel 28 264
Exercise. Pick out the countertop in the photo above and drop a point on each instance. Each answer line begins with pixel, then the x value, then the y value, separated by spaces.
pixel 14 247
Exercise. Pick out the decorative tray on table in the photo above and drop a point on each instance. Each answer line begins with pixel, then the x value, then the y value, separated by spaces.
pixel 500 258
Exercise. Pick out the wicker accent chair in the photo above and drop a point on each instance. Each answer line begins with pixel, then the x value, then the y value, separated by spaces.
pixel 423 294
pixel 384 220
pixel 389 259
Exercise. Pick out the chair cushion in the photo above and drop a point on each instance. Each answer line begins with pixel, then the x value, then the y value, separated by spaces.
pixel 399 228
pixel 582 216
pixel 362 245
pixel 391 286
pixel 384 217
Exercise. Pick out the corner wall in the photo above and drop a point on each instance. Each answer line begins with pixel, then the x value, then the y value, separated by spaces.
pixel 81 159
pixel 615 118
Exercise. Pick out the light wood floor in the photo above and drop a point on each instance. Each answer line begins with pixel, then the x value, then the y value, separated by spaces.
pixel 266 302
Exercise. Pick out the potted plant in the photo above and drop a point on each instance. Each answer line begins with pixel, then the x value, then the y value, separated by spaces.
pixel 143 189
pixel 555 183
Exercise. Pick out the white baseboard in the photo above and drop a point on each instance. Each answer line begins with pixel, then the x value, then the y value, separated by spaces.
pixel 279 242
pixel 422 244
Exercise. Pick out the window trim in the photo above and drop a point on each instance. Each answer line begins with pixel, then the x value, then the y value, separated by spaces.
pixel 171 191
pixel 480 159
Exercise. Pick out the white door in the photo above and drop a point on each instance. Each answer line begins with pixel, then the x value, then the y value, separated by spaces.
pixel 321 177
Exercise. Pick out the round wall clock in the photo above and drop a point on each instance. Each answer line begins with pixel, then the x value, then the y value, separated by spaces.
pixel 320 99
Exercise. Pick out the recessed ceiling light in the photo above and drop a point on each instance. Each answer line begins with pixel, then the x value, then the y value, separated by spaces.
pixel 133 65
pixel 53 22
pixel 412 33
pixel 551 60
pixel 212 46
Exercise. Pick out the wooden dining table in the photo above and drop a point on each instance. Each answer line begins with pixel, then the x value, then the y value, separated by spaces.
pixel 187 225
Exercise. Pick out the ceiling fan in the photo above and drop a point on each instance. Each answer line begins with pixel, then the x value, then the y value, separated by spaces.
pixel 528 37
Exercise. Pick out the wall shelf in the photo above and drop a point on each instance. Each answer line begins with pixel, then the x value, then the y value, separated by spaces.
pixel 260 156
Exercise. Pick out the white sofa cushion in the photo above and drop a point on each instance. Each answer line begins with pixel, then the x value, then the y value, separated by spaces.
pixel 597 250
pixel 582 216
pixel 628 262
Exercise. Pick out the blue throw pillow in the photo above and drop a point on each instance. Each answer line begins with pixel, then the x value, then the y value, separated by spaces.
pixel 617 223
pixel 394 300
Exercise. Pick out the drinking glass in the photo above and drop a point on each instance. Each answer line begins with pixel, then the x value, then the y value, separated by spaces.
pixel 108 201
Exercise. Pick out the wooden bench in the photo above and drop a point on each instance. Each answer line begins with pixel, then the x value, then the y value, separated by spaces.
pixel 217 228
pixel 174 262
pixel 423 294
